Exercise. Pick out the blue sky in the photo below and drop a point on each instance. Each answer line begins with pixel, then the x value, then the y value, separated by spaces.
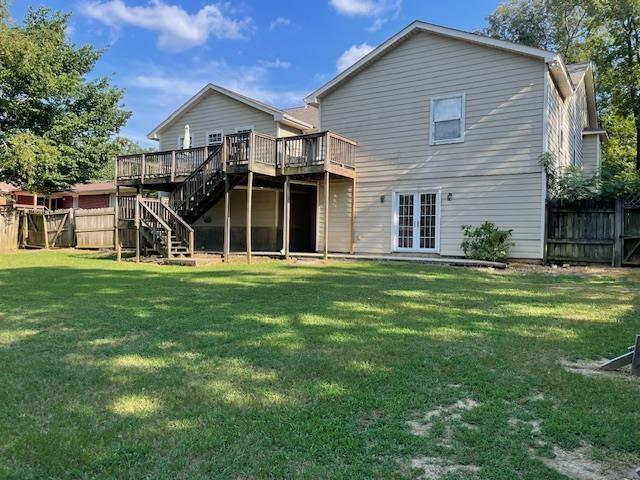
pixel 164 51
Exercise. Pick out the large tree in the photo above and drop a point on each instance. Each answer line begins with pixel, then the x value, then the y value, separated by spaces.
pixel 56 125
pixel 605 31
pixel 556 25
pixel 617 56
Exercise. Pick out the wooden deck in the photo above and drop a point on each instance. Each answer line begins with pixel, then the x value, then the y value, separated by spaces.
pixel 200 177
pixel 303 155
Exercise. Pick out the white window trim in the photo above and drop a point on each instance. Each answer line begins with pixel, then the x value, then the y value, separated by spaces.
pixel 213 132
pixel 243 128
pixel 181 137
pixel 460 139
pixel 394 224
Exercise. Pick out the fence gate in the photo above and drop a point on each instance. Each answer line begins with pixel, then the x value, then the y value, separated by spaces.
pixel 581 231
pixel 631 230
pixel 48 230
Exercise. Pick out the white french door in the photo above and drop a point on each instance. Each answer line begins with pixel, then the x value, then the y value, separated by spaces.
pixel 416 221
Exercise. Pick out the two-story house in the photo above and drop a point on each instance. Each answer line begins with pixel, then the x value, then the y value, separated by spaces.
pixel 434 129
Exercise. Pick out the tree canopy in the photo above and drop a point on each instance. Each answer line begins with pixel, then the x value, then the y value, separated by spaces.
pixel 56 124
pixel 606 32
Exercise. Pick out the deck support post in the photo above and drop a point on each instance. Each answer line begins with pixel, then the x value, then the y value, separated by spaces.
pixel 352 247
pixel 116 227
pixel 248 220
pixel 227 220
pixel 326 215
pixel 287 217
pixel 137 224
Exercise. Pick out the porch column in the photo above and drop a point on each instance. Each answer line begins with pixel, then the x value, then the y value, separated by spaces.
pixel 352 248
pixel 326 215
pixel 248 222
pixel 286 229
pixel 227 220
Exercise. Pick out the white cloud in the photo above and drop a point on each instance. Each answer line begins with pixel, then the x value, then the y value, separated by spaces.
pixel 351 56
pixel 279 22
pixel 275 64
pixel 250 80
pixel 367 8
pixel 177 29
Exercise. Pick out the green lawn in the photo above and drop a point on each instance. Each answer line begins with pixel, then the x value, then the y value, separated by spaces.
pixel 280 370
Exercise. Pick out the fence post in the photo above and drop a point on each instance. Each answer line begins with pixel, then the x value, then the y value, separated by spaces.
pixel 25 228
pixel 72 226
pixel 45 228
pixel 618 233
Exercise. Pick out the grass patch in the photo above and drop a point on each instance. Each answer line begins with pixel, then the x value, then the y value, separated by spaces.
pixel 305 371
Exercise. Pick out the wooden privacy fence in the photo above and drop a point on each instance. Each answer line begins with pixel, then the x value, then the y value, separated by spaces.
pixel 594 231
pixel 47 229
pixel 95 228
pixel 9 229
pixel 80 228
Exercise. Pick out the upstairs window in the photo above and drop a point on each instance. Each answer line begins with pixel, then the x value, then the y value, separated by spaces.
pixel 447 119
pixel 214 137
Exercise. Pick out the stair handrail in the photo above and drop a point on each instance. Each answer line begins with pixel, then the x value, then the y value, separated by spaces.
pixel 184 231
pixel 157 221
pixel 183 185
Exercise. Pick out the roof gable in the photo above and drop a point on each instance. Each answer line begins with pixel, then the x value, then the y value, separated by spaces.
pixel 551 58
pixel 278 115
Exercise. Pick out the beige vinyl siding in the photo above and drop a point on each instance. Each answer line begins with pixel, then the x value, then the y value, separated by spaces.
pixel 569 116
pixel 554 114
pixel 339 216
pixel 213 112
pixel 493 175
pixel 591 155
pixel 265 210
pixel 287 131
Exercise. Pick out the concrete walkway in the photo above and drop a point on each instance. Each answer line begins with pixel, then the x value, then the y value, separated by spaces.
pixel 458 262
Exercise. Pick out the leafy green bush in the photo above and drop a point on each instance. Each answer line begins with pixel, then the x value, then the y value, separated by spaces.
pixel 486 242
pixel 570 183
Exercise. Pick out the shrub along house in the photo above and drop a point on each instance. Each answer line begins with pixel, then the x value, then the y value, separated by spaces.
pixel 434 129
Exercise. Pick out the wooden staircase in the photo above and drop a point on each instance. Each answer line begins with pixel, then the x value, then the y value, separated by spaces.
pixel 203 187
pixel 163 230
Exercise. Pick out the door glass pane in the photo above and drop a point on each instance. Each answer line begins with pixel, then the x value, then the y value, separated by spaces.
pixel 428 220
pixel 405 221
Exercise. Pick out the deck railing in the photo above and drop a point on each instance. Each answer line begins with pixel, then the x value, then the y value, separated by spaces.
pixel 316 149
pixel 242 150
pixel 166 164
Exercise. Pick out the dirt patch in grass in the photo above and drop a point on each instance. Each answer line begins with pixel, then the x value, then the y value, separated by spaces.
pixel 578 465
pixel 434 468
pixel 450 413
pixel 583 271
pixel 591 368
